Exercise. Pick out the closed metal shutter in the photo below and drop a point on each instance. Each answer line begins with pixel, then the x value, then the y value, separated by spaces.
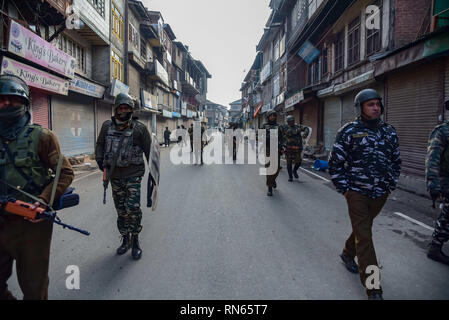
pixel 73 122
pixel 331 121
pixel 310 119
pixel 349 112
pixel 39 108
pixel 412 107
pixel 446 80
pixel 104 112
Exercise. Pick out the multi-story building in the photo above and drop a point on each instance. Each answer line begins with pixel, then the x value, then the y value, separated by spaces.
pixel 336 48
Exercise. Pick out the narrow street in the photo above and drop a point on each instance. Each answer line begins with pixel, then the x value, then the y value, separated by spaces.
pixel 216 235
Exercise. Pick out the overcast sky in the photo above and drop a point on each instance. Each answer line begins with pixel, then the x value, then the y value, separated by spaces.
pixel 223 34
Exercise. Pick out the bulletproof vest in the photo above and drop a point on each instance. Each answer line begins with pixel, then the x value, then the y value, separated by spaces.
pixel 27 173
pixel 119 149
pixel 293 136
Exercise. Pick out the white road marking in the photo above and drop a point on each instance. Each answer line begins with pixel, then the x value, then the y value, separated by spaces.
pixel 87 175
pixel 396 213
pixel 312 173
pixel 413 220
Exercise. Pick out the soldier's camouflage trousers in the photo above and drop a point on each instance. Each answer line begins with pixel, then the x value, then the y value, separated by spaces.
pixel 126 194
pixel 271 179
pixel 441 232
pixel 293 156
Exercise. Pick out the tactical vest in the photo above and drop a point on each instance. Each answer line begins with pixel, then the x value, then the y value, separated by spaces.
pixel 119 149
pixel 34 175
pixel 293 136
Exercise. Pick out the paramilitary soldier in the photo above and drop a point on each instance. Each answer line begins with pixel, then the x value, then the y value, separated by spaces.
pixel 120 147
pixel 27 154
pixel 437 176
pixel 365 166
pixel 273 125
pixel 293 146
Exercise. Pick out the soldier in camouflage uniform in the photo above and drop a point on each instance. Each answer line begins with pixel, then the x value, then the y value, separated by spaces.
pixel 120 147
pixel 273 125
pixel 437 177
pixel 293 149
pixel 28 156
pixel 365 166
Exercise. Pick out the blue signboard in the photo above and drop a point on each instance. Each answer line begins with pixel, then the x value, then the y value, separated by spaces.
pixel 308 52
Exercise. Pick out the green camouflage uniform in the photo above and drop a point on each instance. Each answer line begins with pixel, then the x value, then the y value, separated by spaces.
pixel 125 181
pixel 293 138
pixel 437 177
pixel 271 179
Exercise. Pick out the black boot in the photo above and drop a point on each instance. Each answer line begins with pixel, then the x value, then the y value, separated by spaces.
pixel 270 192
pixel 136 251
pixel 350 264
pixel 436 254
pixel 126 244
pixel 295 171
pixel 375 296
pixel 289 170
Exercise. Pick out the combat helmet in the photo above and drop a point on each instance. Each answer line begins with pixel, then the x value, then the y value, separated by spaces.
pixel 269 113
pixel 12 85
pixel 290 118
pixel 366 95
pixel 123 98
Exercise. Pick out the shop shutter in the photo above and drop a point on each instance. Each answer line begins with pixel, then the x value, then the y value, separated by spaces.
pixel 73 122
pixel 412 105
pixel 331 121
pixel 104 112
pixel 39 108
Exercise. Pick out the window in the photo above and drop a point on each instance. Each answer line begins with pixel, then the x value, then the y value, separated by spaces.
pixel 354 41
pixel 98 5
pixel 373 36
pixel 72 48
pixel 133 37
pixel 143 49
pixel 339 52
pixel 117 22
pixel 116 66
pixel 324 61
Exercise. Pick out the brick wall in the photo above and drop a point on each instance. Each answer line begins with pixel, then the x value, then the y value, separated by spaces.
pixel 409 16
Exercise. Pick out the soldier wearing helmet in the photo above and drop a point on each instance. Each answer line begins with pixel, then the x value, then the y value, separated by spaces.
pixel 365 166
pixel 28 156
pixel 272 124
pixel 121 144
pixel 437 178
pixel 293 146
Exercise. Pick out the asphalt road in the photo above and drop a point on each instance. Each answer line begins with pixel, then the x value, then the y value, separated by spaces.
pixel 216 235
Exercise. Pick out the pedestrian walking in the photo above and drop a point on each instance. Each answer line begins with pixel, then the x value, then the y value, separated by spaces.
pixel 272 124
pixel 121 144
pixel 365 166
pixel 167 134
pixel 294 135
pixel 437 177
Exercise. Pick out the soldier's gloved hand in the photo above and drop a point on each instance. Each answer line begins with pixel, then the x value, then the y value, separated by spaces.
pixel 100 165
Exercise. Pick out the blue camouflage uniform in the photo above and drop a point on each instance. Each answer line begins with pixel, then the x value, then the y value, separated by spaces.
pixel 365 160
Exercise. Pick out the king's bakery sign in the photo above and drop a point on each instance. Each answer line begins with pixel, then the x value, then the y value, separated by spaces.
pixel 34 77
pixel 30 46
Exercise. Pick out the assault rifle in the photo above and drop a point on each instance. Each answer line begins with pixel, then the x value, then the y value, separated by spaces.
pixel 34 212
